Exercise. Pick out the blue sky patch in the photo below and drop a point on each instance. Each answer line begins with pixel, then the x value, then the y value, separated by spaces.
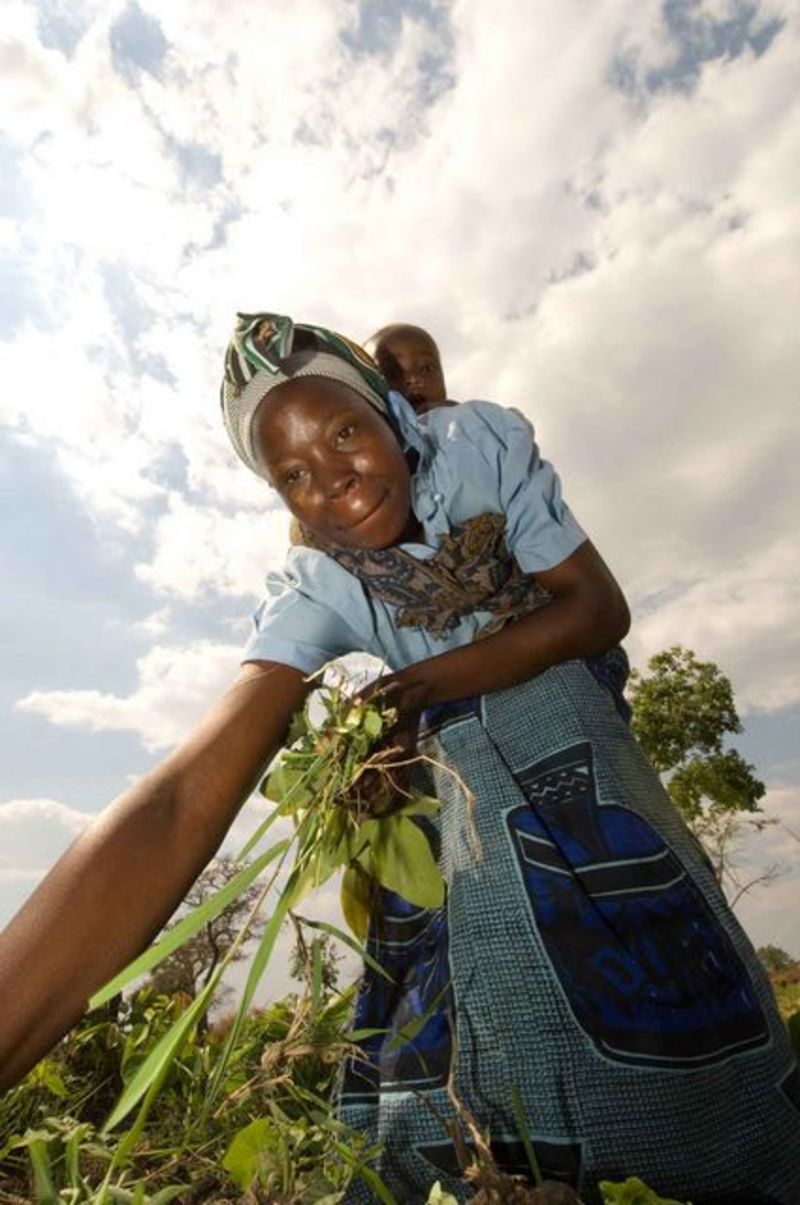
pixel 379 24
pixel 15 195
pixel 60 25
pixel 697 39
pixel 137 44
pixel 199 166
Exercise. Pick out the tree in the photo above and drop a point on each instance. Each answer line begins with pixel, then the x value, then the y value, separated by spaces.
pixel 775 960
pixel 683 710
pixel 191 966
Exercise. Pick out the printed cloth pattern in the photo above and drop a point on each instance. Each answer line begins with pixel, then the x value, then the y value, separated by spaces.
pixel 586 963
pixel 264 342
pixel 267 350
pixel 471 570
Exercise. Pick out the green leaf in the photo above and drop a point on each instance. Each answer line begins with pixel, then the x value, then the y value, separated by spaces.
pixel 245 1155
pixel 356 897
pixel 170 1193
pixel 280 810
pixel 187 927
pixel 373 723
pixel 360 1035
pixel 420 805
pixel 403 861
pixel 372 1178
pixel 287 783
pixel 633 1191
pixel 333 848
pixel 316 975
pixel 42 1180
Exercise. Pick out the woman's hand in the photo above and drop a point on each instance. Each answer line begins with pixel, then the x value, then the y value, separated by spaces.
pixel 587 616
pixel 118 884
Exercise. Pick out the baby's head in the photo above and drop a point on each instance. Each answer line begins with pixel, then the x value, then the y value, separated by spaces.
pixel 409 360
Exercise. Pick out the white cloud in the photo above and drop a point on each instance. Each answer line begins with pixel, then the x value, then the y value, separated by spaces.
pixel 176 685
pixel 625 270
pixel 49 810
pixel 200 550
pixel 33 833
pixel 745 617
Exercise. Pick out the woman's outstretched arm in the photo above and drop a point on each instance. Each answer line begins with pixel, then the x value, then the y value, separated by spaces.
pixel 122 879
pixel 587 616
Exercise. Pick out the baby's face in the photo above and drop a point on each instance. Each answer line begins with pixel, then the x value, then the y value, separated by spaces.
pixel 409 360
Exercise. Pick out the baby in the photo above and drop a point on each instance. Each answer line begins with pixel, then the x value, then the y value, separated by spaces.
pixel 409 360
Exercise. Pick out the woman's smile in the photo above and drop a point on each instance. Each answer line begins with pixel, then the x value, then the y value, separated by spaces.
pixel 336 462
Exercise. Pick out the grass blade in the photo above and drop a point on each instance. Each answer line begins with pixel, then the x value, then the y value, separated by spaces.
pixel 519 1114
pixel 160 1057
pixel 340 935
pixel 258 965
pixel 187 928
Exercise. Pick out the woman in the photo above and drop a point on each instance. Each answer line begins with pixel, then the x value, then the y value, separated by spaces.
pixel 586 972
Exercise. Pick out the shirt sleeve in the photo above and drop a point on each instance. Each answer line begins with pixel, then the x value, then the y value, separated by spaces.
pixel 541 530
pixel 294 626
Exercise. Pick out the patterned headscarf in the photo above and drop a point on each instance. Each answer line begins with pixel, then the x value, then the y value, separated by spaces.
pixel 266 350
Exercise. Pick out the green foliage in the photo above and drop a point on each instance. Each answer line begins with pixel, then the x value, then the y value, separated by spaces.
pixel 683 710
pixel 633 1191
pixel 285 1159
pixel 348 809
pixel 720 781
pixel 245 1106
pixel 350 812
pixel 280 1075
pixel 787 993
pixel 775 960
pixel 315 963
pixel 682 707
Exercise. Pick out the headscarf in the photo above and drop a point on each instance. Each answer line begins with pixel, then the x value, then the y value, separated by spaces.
pixel 266 350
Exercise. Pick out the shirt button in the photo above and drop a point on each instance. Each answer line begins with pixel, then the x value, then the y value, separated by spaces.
pixel 438 498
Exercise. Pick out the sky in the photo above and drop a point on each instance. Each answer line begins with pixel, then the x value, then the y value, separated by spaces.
pixel 594 208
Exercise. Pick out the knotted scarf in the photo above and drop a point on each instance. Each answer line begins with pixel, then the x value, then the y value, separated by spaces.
pixel 266 350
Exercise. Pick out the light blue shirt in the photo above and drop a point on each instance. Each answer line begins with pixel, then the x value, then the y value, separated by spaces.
pixel 474 458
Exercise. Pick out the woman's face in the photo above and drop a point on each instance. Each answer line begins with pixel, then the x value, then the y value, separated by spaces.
pixel 336 463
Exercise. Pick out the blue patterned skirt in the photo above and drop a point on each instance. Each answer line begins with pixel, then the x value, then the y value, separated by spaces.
pixel 585 965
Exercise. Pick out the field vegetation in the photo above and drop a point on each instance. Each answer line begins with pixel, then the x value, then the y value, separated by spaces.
pixel 150 1100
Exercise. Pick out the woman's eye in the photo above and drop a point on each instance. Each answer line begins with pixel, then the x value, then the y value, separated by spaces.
pixel 344 433
pixel 292 477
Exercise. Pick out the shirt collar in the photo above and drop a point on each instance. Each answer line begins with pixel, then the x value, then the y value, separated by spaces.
pixel 407 425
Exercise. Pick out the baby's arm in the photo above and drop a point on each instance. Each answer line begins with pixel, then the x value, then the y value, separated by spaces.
pixel 587 616
pixel 121 880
